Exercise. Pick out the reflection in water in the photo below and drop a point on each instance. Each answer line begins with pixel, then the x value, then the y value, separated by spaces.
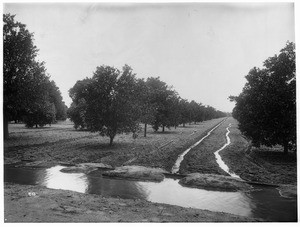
pixel 116 188
pixel 170 191
pixel 265 203
pixel 56 179
pixel 272 207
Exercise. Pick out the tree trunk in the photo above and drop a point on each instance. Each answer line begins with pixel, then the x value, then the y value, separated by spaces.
pixel 145 130
pixel 163 128
pixel 183 124
pixel 111 138
pixel 5 128
pixel 286 148
pixel 36 126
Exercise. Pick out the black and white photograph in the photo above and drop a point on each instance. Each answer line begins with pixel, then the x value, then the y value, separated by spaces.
pixel 149 112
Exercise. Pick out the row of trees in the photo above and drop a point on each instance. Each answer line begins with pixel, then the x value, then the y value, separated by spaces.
pixel 115 101
pixel 110 102
pixel 266 108
pixel 29 94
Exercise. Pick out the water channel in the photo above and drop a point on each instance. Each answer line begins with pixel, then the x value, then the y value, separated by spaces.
pixel 175 168
pixel 265 202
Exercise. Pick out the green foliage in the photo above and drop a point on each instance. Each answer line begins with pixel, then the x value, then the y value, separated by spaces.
pixel 266 108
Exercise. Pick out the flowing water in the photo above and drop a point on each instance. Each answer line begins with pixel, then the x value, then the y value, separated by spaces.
pixel 219 160
pixel 264 203
pixel 180 158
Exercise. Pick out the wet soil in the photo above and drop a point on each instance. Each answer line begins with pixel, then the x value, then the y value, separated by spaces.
pixel 25 203
pixel 65 144
pixel 264 165
pixel 201 159
pixel 62 144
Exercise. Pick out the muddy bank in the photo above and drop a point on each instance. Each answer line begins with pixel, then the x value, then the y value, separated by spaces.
pixel 288 191
pixel 85 168
pixel 214 182
pixel 137 173
pixel 24 203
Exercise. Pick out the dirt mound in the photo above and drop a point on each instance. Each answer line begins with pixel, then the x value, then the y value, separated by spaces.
pixel 85 168
pixel 288 191
pixel 214 182
pixel 137 173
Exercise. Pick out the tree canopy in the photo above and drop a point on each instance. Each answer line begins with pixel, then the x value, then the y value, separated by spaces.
pixel 107 102
pixel 29 95
pixel 266 108
pixel 115 101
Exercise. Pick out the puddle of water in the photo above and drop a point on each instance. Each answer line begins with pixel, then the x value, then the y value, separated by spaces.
pixel 219 160
pixel 180 158
pixel 259 204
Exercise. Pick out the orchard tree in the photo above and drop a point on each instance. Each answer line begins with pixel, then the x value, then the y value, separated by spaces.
pixel 27 88
pixel 110 101
pixel 77 112
pixel 266 108
pixel 147 108
pixel 19 54
pixel 161 97
pixel 38 109
pixel 56 98
pixel 184 111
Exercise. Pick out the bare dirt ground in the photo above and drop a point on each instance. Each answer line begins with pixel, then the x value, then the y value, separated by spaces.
pixel 265 165
pixel 201 159
pixel 61 143
pixel 52 205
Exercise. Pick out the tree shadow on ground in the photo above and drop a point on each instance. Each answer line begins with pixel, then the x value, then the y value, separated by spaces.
pixel 105 146
pixel 275 155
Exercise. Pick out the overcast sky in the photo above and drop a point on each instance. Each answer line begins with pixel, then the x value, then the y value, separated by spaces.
pixel 203 50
